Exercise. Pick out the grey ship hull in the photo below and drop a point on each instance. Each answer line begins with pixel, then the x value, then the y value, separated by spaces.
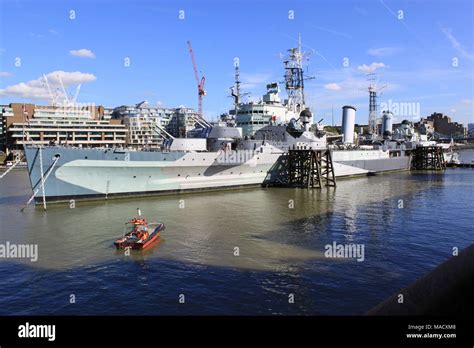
pixel 89 174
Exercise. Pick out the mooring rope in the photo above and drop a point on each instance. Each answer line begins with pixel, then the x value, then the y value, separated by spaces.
pixel 42 177
pixel 8 170
pixel 50 170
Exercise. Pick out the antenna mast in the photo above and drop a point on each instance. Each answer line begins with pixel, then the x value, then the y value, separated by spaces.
pixel 373 129
pixel 294 79
pixel 235 90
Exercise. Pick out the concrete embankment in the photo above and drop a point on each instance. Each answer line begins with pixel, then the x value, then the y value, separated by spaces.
pixel 447 290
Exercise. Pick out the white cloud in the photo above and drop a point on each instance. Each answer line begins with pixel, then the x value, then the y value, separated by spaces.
pixel 251 81
pixel 461 110
pixel 370 68
pixel 383 51
pixel 328 104
pixel 35 35
pixel 333 87
pixel 456 44
pixel 399 85
pixel 54 32
pixel 5 74
pixel 37 89
pixel 354 93
pixel 83 52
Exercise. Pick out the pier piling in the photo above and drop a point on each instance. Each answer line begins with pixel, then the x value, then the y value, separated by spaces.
pixel 428 158
pixel 305 168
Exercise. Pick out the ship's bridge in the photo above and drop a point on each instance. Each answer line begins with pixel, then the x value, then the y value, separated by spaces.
pixel 268 111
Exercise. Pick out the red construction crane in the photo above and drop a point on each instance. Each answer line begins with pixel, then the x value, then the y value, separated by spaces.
pixel 199 81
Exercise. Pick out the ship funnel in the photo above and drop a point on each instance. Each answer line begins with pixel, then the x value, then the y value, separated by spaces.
pixel 387 124
pixel 348 121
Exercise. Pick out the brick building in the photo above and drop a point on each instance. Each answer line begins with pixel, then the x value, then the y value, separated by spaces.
pixel 444 125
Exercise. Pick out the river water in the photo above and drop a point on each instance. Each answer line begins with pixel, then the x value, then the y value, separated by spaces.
pixel 407 223
pixel 466 156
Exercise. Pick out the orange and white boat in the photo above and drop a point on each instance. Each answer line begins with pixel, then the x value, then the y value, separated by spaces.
pixel 142 235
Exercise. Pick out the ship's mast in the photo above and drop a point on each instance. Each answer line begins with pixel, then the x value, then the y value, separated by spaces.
pixel 373 111
pixel 373 89
pixel 294 79
pixel 235 90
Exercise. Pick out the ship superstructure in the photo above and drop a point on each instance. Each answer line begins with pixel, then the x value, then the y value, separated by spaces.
pixel 268 111
pixel 271 109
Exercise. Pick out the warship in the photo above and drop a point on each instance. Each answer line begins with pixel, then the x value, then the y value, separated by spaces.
pixel 217 156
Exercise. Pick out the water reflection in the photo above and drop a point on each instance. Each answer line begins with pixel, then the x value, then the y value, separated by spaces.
pixel 268 226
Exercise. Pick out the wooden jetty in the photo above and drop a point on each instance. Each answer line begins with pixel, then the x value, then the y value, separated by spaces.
pixel 303 167
pixel 428 158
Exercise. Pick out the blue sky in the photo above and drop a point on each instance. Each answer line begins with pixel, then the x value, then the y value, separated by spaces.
pixel 413 55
